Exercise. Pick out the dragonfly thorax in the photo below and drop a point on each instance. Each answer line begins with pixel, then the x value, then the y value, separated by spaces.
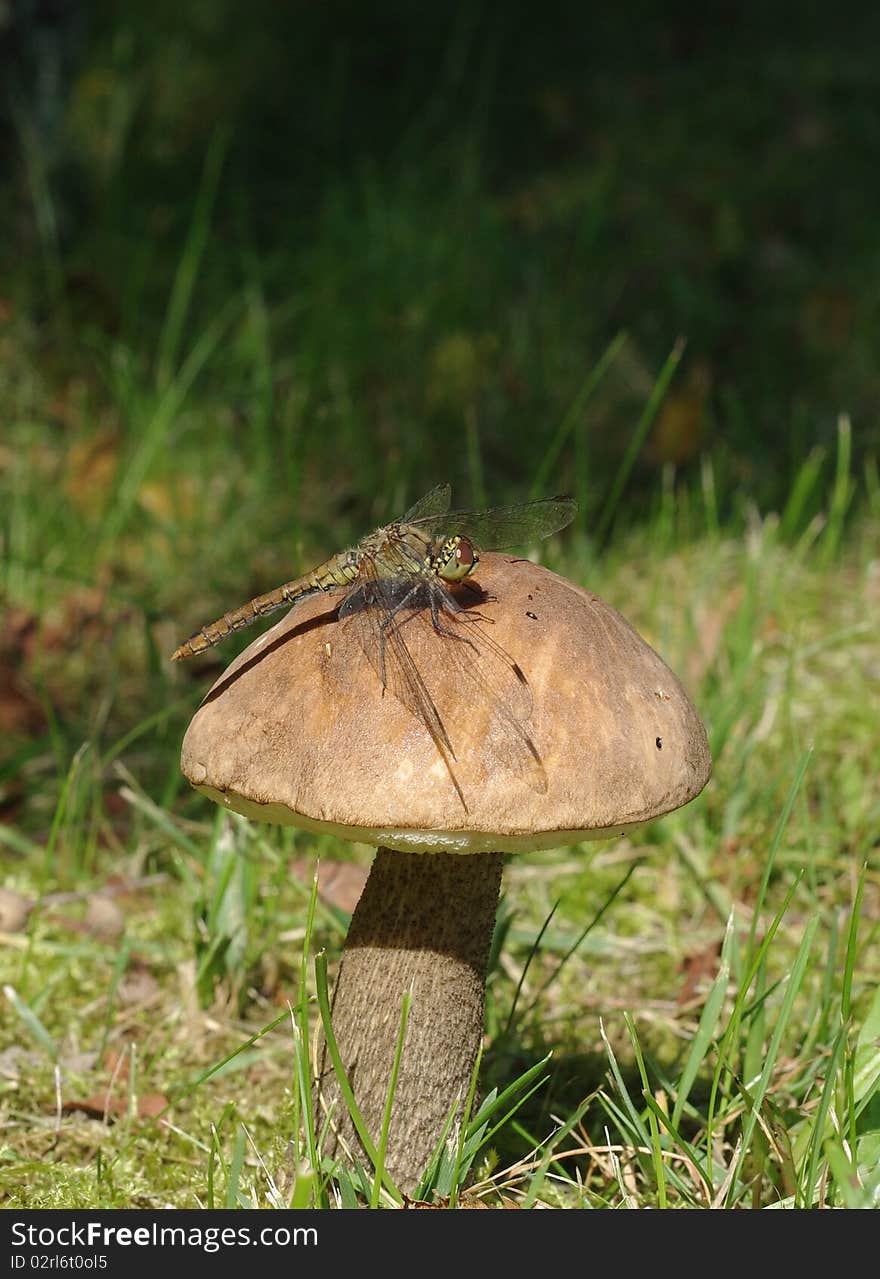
pixel 456 559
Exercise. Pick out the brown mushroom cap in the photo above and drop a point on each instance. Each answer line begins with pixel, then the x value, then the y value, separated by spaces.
pixel 299 730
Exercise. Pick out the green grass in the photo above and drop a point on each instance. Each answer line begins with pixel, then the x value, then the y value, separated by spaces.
pixel 707 987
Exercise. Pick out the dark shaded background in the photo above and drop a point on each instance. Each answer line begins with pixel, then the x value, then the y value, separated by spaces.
pixel 475 197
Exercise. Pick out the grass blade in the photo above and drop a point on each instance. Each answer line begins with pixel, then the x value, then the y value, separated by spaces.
pixel 661 386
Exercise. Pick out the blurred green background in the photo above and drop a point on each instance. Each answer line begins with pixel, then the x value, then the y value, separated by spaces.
pixel 443 214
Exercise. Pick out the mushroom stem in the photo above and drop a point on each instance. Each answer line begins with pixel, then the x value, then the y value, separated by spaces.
pixel 424 924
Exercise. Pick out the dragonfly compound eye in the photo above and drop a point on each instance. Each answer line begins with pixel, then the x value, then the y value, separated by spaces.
pixel 457 559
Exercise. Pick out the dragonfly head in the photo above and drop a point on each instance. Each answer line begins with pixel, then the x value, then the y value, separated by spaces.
pixel 456 559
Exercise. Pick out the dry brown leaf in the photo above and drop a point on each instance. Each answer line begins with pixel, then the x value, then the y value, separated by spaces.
pixel 115 1106
pixel 138 986
pixel 698 967
pixel 104 918
pixel 340 884
pixel 15 911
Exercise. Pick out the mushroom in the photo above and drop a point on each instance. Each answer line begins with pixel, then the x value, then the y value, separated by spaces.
pixel 300 730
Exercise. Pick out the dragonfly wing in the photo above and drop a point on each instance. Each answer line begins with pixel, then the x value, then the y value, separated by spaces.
pixel 377 611
pixel 482 692
pixel 432 504
pixel 504 526
pixel 450 674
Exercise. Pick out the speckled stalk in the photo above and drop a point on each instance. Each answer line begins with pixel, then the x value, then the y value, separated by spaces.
pixel 424 923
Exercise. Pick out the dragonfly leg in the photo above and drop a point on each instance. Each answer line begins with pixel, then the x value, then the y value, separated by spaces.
pixel 439 598
pixel 388 621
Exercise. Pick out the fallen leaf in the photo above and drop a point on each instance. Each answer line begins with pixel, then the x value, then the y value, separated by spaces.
pixel 15 911
pixel 340 884
pixel 138 986
pixel 114 1106
pixel 698 967
pixel 104 918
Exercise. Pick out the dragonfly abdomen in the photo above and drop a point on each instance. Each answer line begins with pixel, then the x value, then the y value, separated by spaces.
pixel 335 573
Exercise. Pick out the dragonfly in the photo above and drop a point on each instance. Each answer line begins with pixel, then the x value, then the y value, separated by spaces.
pixel 407 575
